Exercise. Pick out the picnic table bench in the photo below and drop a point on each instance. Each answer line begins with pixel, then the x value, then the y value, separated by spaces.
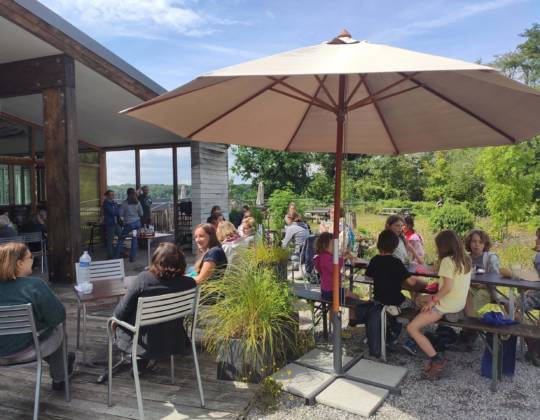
pixel 390 211
pixel 474 324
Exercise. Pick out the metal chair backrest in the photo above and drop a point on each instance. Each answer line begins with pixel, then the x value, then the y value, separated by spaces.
pixel 19 319
pixel 18 239
pixel 105 270
pixel 163 308
pixel 32 237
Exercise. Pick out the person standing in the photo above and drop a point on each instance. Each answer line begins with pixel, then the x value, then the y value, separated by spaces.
pixel 110 211
pixel 130 213
pixel 146 204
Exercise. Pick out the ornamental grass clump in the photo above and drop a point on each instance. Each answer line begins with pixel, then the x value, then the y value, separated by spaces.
pixel 254 312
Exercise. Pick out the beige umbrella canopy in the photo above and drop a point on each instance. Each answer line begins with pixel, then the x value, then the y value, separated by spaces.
pixel 396 101
pixel 349 96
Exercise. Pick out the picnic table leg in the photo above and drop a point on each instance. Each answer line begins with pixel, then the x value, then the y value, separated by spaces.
pixel 324 314
pixel 511 303
pixel 521 340
pixel 84 332
pixel 78 321
pixel 148 243
pixel 494 362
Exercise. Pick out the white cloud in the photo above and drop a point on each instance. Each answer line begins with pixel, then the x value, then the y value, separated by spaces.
pixel 443 18
pixel 230 51
pixel 147 19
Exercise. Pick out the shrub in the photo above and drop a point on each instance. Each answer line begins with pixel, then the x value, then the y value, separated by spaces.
pixel 278 204
pixel 452 216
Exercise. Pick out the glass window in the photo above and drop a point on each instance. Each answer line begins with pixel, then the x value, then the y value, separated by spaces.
pixel 4 185
pixel 183 155
pixel 121 172
pixel 156 173
pixel 18 182
pixel 27 196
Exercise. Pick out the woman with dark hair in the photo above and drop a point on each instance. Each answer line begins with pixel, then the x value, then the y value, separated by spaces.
pixel 130 213
pixel 17 288
pixel 212 259
pixel 165 275
pixel 404 252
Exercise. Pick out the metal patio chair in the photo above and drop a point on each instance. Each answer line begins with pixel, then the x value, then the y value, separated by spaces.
pixel 151 311
pixel 34 238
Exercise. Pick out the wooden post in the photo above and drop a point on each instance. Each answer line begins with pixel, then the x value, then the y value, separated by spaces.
pixel 62 180
pixel 175 190
pixel 137 168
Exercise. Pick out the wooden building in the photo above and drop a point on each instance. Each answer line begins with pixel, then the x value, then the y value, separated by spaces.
pixel 60 94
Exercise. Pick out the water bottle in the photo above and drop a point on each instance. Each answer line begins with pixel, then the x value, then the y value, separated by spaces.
pixel 83 278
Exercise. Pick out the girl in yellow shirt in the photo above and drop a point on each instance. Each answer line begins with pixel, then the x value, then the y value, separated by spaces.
pixel 454 281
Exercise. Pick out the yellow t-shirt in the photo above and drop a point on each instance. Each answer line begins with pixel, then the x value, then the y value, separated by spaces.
pixel 455 300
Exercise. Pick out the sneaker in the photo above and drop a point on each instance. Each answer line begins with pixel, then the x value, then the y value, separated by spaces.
pixel 59 385
pixel 410 347
pixel 434 370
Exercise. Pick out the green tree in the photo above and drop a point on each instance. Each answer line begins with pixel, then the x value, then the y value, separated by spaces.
pixel 509 173
pixel 275 169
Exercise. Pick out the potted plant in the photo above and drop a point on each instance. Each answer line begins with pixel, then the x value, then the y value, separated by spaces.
pixel 269 256
pixel 251 327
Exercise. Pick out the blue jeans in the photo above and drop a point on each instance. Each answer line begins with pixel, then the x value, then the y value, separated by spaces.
pixel 110 232
pixel 126 231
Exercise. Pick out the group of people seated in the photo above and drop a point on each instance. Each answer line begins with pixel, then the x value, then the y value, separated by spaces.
pixel 400 254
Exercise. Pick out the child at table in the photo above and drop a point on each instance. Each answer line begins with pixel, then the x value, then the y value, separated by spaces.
pixel 323 262
pixel 478 244
pixel 532 302
pixel 454 281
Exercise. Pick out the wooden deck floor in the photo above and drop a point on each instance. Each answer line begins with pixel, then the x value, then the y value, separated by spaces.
pixel 162 400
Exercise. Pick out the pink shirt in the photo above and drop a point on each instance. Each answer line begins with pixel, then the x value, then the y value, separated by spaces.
pixel 325 266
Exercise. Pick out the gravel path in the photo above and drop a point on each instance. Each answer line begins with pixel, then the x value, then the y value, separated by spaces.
pixel 462 394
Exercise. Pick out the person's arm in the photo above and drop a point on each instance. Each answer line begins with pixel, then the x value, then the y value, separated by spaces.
pixel 206 272
pixel 47 307
pixel 139 210
pixel 289 234
pixel 127 305
pixel 416 256
pixel 446 273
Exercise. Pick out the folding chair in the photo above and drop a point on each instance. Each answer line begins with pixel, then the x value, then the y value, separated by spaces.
pixel 151 311
pixel 34 238
pixel 19 319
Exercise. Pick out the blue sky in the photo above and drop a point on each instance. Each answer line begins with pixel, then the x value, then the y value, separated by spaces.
pixel 173 41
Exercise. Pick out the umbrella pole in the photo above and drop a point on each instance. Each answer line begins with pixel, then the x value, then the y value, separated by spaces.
pixel 336 286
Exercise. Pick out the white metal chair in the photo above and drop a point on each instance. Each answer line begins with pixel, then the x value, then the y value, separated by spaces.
pixel 19 319
pixel 99 270
pixel 34 238
pixel 151 311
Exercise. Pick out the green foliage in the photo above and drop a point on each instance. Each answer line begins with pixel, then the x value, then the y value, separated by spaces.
pixel 509 173
pixel 266 398
pixel 452 216
pixel 158 192
pixel 256 309
pixel 278 204
pixel 262 254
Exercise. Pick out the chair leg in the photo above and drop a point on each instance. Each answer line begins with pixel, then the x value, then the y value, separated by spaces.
pixel 109 364
pixel 66 372
pixel 42 263
pixel 78 322
pixel 172 369
pixel 383 333
pixel 38 387
pixel 196 360
pixel 137 385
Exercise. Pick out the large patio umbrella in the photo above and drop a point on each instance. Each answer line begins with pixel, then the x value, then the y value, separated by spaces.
pixel 353 96
pixel 260 195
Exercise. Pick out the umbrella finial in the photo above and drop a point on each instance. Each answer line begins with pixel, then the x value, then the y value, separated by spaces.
pixel 343 38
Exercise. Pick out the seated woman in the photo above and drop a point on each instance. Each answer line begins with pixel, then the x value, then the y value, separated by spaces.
pixel 247 229
pixel 212 259
pixel 296 232
pixel 165 275
pixel 230 240
pixel 478 244
pixel 16 288
pixel 404 252
pixel 413 238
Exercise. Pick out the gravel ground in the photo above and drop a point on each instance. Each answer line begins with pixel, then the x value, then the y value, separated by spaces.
pixel 461 394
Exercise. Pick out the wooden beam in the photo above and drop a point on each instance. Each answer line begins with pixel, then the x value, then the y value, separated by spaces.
pixel 137 168
pixel 13 118
pixel 102 173
pixel 33 174
pixel 15 160
pixel 90 146
pixel 17 14
pixel 32 76
pixel 175 190
pixel 62 182
pixel 147 146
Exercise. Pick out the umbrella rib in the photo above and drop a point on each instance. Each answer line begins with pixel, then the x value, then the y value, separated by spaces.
pixel 234 108
pixel 382 98
pixel 160 99
pixel 321 82
pixel 390 86
pixel 383 120
pixel 358 84
pixel 463 109
pixel 298 98
pixel 302 93
pixel 305 114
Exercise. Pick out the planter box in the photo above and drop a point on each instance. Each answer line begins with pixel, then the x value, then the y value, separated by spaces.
pixel 231 364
